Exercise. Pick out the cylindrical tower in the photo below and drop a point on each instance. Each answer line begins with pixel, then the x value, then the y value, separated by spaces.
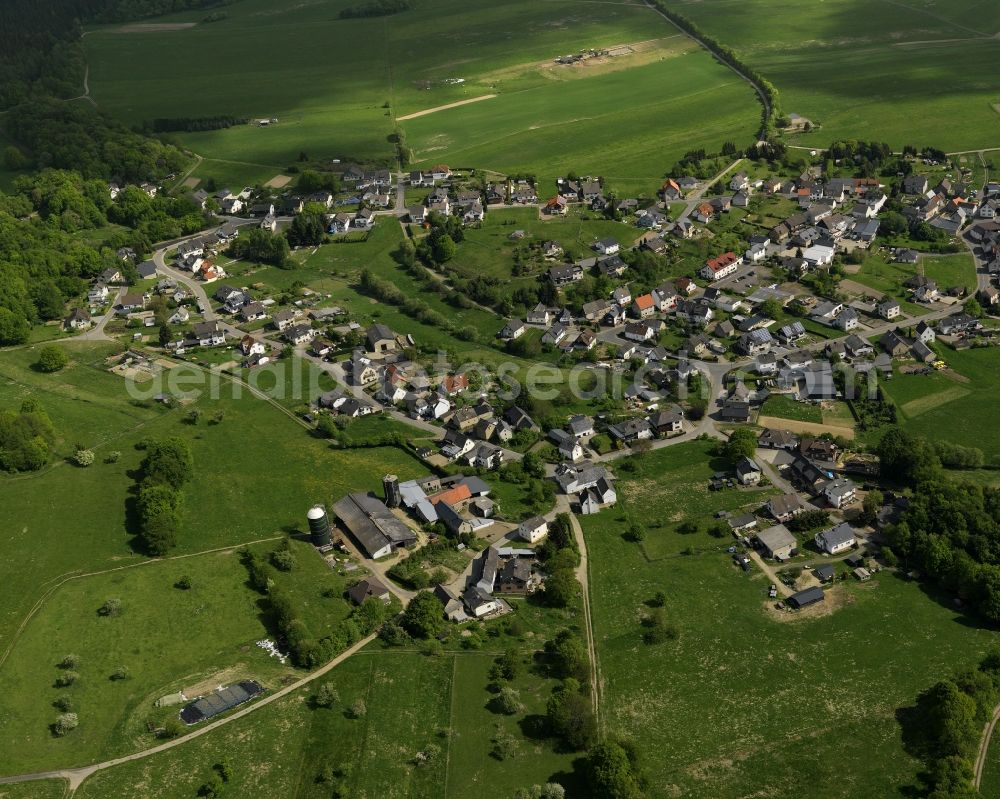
pixel 391 485
pixel 319 526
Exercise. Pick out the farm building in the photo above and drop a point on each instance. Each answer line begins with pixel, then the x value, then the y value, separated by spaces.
pixel 777 542
pixel 807 597
pixel 220 701
pixel 376 529
pixel 369 588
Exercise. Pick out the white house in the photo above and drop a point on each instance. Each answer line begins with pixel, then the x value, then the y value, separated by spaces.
pixel 607 246
pixel 839 492
pixel 837 539
pixel 723 266
pixel 533 530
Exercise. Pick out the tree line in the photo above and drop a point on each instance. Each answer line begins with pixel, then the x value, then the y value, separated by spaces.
pixel 194 124
pixel 772 105
pixel 944 727
pixel 950 531
pixel 166 468
pixel 375 8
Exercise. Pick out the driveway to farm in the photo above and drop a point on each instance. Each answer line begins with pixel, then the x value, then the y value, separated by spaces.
pixel 76 776
pixel 783 590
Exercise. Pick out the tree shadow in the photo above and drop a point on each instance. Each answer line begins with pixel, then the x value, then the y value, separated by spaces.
pixel 575 781
pixel 534 727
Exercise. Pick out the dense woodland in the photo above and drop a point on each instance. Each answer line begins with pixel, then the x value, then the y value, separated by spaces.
pixel 950 531
pixel 43 264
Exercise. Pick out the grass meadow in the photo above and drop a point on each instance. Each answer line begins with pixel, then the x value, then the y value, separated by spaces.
pixel 411 700
pixel 748 701
pixel 336 87
pixel 785 407
pixel 167 638
pixel 256 473
pixel 610 124
pixel 43 789
pixel 955 408
pixel 901 72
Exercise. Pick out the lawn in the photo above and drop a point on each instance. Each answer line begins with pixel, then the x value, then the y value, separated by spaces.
pixel 904 77
pixel 746 702
pixel 785 407
pixel 167 638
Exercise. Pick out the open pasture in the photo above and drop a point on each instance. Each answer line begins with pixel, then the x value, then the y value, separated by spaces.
pixel 410 700
pixel 939 407
pixel 335 87
pixel 256 473
pixel 610 124
pixel 748 701
pixel 907 72
pixel 167 638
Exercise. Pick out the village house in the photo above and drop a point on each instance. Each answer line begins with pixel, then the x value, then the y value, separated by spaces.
pixel 785 507
pixel 533 530
pixel 721 267
pixel 836 539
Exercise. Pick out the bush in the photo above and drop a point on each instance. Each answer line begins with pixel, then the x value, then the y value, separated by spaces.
pixel 359 709
pixel 504 745
pixel 326 695
pixel 83 457
pixel 70 662
pixel 66 679
pixel 65 724
pixel 172 728
pixel 120 673
pixel 184 583
pixel 63 702
pixel 52 359
pixel 283 560
pixel 509 701
pixel 111 608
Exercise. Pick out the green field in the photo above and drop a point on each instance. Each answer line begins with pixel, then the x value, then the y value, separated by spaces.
pixel 903 72
pixel 608 125
pixel 681 475
pixel 44 789
pixel 167 639
pixel 336 87
pixel 959 410
pixel 785 407
pixel 285 748
pixel 255 475
pixel 748 702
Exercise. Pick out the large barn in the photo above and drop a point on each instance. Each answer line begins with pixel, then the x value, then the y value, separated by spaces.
pixel 372 525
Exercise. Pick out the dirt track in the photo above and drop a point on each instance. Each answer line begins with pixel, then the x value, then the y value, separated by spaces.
pixel 805 427
pixel 427 111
